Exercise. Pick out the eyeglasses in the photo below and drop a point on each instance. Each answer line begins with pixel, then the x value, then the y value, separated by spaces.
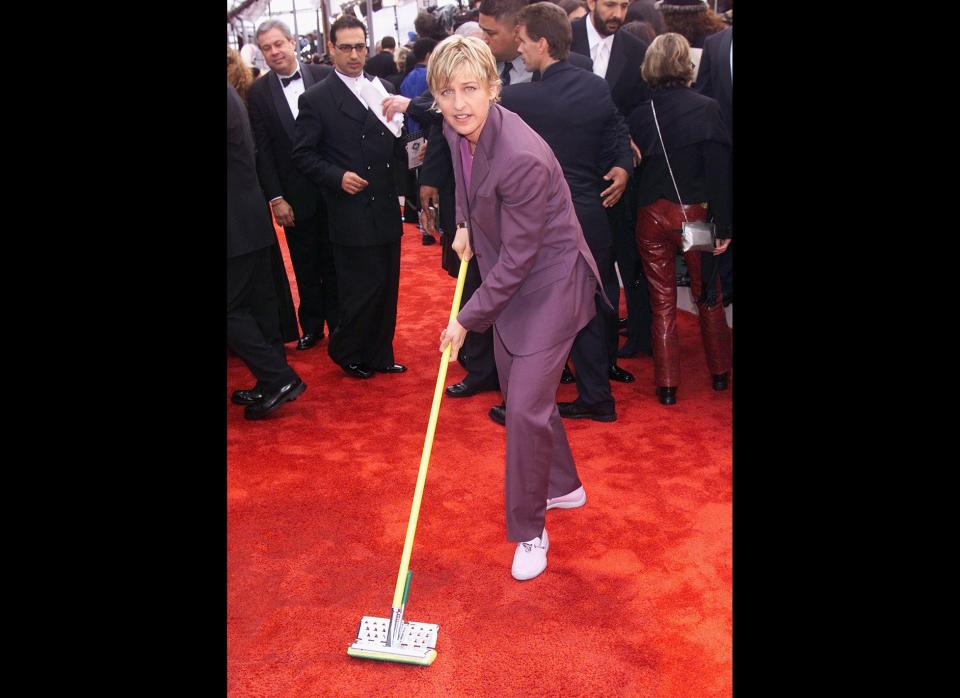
pixel 350 48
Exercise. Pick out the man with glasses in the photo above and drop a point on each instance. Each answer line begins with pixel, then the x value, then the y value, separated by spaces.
pixel 345 146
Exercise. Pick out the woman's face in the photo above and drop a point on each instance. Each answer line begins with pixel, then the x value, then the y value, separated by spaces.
pixel 465 103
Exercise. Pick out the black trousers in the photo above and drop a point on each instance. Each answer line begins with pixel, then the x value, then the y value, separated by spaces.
pixel 476 354
pixel 609 316
pixel 369 281
pixel 289 331
pixel 411 196
pixel 253 320
pixel 313 265
pixel 448 229
pixel 623 222
pixel 591 347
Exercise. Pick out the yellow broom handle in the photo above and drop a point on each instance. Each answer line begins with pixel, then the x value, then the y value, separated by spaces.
pixel 427 446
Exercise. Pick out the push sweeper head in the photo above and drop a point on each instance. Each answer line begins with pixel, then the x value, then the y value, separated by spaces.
pixel 393 639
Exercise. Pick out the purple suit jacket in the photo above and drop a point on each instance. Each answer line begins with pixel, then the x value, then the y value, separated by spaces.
pixel 539 277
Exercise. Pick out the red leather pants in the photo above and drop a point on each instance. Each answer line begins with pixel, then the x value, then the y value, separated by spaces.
pixel 658 241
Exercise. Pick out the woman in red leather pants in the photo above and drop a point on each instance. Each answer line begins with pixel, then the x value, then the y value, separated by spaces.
pixel 700 154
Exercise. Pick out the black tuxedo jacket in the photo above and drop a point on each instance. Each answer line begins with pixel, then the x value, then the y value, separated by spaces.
pixel 578 60
pixel 334 135
pixel 381 65
pixel 249 227
pixel 623 69
pixel 274 131
pixel 714 79
pixel 571 109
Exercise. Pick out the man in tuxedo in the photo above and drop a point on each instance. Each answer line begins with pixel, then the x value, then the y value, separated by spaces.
pixel 253 322
pixel 572 110
pixel 351 153
pixel 383 64
pixel 296 202
pixel 617 57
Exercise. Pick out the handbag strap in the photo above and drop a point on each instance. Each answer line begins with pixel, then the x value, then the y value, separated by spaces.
pixel 670 169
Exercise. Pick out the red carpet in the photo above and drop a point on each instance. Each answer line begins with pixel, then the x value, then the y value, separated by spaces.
pixel 637 596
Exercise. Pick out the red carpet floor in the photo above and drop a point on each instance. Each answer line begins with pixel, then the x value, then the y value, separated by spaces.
pixel 637 596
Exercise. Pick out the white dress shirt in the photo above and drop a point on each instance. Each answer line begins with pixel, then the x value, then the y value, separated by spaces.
pixel 600 47
pixel 354 85
pixel 518 71
pixel 293 90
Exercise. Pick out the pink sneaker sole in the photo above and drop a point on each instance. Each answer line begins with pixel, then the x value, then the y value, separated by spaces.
pixel 575 499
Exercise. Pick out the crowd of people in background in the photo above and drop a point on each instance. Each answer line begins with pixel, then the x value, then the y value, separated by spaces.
pixel 303 187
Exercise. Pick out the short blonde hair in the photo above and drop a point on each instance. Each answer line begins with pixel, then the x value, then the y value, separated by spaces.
pixel 456 51
pixel 667 62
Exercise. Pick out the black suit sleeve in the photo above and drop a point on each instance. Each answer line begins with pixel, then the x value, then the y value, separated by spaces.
pixel 419 109
pixel 437 168
pixel 616 146
pixel 641 91
pixel 266 158
pixel 580 61
pixel 308 143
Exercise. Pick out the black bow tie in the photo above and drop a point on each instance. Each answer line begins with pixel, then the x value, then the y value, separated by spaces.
pixel 287 81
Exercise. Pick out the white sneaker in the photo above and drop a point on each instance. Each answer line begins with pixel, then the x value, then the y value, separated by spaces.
pixel 575 499
pixel 530 559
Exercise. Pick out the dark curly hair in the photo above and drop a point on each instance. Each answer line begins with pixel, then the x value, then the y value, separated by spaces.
pixel 694 26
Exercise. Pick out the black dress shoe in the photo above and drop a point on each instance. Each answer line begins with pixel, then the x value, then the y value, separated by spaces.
pixel 428 239
pixel 620 375
pixel 575 410
pixel 720 381
pixel 357 370
pixel 567 376
pixel 392 368
pixel 271 401
pixel 498 413
pixel 667 396
pixel 309 339
pixel 246 397
pixel 460 390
